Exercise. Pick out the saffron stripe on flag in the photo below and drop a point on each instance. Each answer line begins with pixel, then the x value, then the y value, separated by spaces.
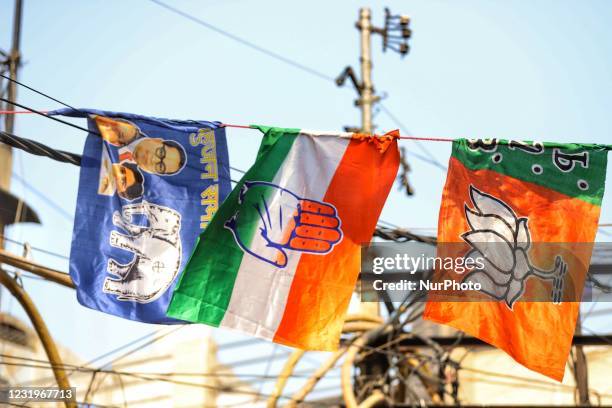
pixel 328 285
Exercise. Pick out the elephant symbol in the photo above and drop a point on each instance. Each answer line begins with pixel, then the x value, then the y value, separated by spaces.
pixel 156 248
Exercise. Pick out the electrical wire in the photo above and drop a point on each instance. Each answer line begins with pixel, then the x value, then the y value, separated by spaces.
pixel 402 235
pixel 16 112
pixel 79 403
pixel 431 159
pixel 123 347
pixel 246 42
pixel 100 357
pixel 41 113
pixel 42 364
pixel 41 250
pixel 36 91
pixel 526 382
pixel 135 350
pixel 237 169
pixel 147 344
pixel 48 201
pixel 142 376
pixel 599 336
pixel 267 370
pixel 39 149
pixel 389 224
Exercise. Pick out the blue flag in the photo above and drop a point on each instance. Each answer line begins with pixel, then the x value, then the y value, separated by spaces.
pixel 147 189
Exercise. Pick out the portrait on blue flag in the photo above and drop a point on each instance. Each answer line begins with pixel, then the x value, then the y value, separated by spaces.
pixel 147 189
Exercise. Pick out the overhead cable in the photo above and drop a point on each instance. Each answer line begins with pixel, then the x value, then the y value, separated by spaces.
pixel 39 149
pixel 36 91
pixel 45 198
pixel 143 376
pixel 41 113
pixel 24 244
pixel 431 158
pixel 246 42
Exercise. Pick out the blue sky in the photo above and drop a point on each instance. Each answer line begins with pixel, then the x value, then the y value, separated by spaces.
pixel 477 68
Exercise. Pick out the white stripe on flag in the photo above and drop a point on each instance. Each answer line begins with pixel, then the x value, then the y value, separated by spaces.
pixel 261 290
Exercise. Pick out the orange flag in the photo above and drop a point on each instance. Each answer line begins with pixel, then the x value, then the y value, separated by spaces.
pixel 528 211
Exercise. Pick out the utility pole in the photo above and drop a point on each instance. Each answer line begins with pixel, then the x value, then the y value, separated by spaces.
pixel 12 65
pixel 580 370
pixel 395 35
pixel 367 98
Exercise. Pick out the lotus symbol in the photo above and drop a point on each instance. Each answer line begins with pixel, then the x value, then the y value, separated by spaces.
pixel 502 242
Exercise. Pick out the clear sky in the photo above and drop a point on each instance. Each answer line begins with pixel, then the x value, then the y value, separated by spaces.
pixel 477 68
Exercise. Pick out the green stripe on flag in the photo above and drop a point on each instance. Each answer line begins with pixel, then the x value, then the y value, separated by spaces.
pixel 205 287
pixel 576 170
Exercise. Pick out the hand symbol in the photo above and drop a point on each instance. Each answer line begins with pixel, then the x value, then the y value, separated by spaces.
pixel 272 220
